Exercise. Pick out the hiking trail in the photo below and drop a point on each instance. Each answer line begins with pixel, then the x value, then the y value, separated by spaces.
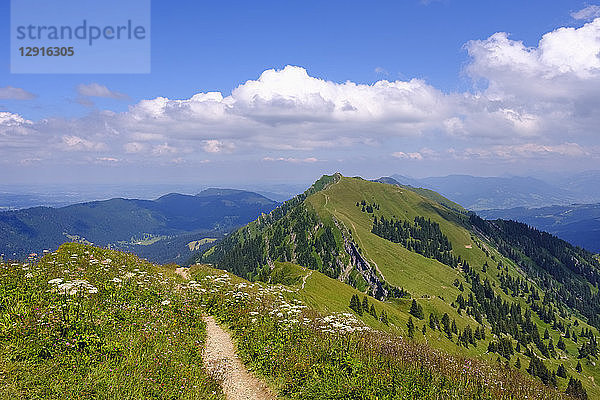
pixel 222 362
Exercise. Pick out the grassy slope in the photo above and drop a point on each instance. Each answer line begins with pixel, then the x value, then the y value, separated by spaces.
pixel 134 338
pixel 142 337
pixel 428 280
pixel 302 363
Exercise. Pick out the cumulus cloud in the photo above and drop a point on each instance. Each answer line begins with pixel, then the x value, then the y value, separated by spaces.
pixel 14 93
pixel 16 131
pixel 8 119
pixel 97 90
pixel 588 13
pixel 527 100
pixel 547 90
pixel 563 53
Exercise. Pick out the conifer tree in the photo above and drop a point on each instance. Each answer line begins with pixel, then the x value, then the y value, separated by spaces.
pixel 575 389
pixel 446 325
pixel 355 304
pixel 416 310
pixel 372 311
pixel 578 368
pixel 411 328
pixel 383 317
pixel 551 348
pixel 553 380
pixel 432 321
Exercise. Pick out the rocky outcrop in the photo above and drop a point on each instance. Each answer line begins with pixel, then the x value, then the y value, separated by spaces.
pixel 361 265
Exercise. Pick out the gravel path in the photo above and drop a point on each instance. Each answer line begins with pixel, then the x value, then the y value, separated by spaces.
pixel 223 364
pixel 305 277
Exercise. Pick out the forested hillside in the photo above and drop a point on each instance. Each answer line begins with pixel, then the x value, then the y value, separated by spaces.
pixel 138 225
pixel 579 224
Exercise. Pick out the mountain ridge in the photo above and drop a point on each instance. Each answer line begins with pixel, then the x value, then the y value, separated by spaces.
pixel 477 193
pixel 395 244
pixel 109 222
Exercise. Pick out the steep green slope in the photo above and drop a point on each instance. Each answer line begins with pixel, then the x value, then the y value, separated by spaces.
pixel 332 354
pixel 395 244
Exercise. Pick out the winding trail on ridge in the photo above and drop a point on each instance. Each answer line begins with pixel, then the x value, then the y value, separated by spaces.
pixel 305 277
pixel 222 362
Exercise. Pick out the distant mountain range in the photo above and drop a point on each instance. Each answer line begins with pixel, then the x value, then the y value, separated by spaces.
pixel 578 224
pixel 142 226
pixel 482 193
pixel 17 197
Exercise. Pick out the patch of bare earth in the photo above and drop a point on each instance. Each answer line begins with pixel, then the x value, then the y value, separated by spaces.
pixel 222 362
pixel 184 272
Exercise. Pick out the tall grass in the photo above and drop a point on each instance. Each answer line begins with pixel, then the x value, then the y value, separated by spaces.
pixel 87 323
pixel 90 323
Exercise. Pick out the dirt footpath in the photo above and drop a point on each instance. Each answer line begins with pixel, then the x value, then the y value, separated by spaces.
pixel 222 362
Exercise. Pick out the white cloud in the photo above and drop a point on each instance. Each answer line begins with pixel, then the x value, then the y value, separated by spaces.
pixel 587 14
pixel 16 132
pixel 97 90
pixel 549 90
pixel 8 119
pixel 29 161
pixel 134 147
pixel 535 100
pixel 526 150
pixel 76 143
pixel 290 110
pixel 408 156
pixel 562 53
pixel 291 95
pixel 163 149
pixel 14 93
pixel 108 159
pixel 216 146
pixel 292 159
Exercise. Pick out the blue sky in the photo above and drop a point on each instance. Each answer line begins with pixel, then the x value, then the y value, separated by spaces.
pixel 466 99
